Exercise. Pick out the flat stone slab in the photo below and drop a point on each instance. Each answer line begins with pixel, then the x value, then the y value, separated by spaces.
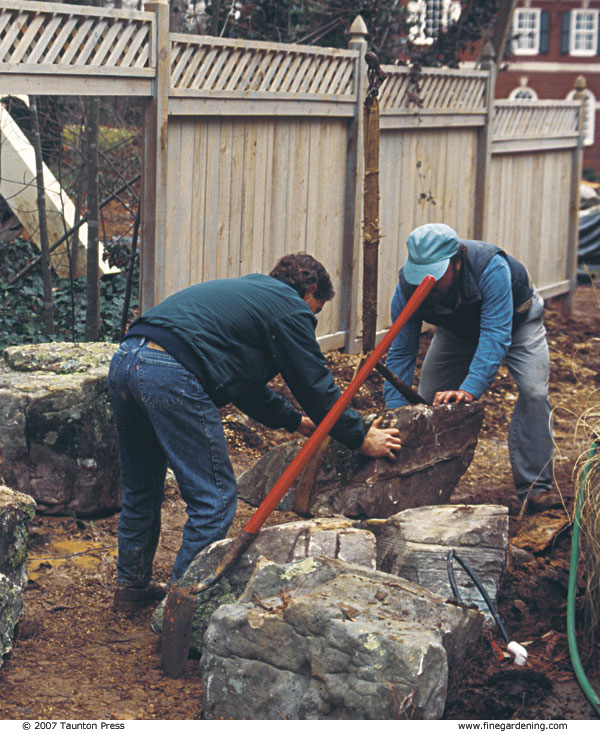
pixel 438 446
pixel 534 536
pixel 16 512
pixel 415 543
pixel 325 639
pixel 331 537
pixel 57 436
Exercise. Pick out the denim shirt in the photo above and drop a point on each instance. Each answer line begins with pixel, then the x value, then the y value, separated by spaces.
pixel 494 338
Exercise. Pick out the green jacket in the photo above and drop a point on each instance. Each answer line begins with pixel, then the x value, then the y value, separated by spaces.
pixel 235 335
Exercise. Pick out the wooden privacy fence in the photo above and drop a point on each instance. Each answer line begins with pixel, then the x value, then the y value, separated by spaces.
pixel 252 150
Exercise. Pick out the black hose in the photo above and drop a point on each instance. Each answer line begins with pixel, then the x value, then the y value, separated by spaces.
pixel 452 579
pixel 452 554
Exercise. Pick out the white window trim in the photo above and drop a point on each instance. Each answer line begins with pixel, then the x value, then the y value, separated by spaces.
pixel 515 93
pixel 583 52
pixel 536 41
pixel 417 10
pixel 416 19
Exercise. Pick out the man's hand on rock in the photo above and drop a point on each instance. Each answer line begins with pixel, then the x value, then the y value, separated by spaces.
pixel 452 396
pixel 381 441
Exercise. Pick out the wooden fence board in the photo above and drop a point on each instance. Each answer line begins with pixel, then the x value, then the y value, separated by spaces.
pixel 198 199
pixel 279 175
pixel 268 197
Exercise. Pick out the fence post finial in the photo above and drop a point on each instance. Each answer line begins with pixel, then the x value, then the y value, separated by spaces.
pixel 358 30
pixel 488 56
pixel 580 86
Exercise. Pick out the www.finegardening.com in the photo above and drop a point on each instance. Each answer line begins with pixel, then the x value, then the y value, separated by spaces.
pixel 502 726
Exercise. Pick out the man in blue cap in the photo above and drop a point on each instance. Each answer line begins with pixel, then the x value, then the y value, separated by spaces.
pixel 486 310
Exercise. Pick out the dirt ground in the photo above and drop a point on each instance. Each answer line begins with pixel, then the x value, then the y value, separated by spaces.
pixel 75 659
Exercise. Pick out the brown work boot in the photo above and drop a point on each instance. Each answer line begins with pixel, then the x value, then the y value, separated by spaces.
pixel 130 598
pixel 543 501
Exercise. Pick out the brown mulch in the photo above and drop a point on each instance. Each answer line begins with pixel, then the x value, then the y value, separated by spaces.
pixel 75 659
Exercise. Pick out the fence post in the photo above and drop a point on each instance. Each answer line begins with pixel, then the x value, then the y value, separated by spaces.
pixel 155 159
pixel 573 229
pixel 484 145
pixel 353 211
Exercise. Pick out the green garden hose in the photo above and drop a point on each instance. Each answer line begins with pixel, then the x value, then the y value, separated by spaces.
pixel 571 635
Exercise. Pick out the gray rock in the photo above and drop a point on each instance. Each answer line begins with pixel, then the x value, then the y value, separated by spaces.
pixel 11 611
pixel 57 438
pixel 325 639
pixel 16 512
pixel 415 543
pixel 438 446
pixel 331 537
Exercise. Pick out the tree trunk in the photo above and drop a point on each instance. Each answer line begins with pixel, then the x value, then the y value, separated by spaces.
pixel 41 202
pixel 92 316
pixel 79 194
pixel 130 269
pixel 214 22
pixel 502 27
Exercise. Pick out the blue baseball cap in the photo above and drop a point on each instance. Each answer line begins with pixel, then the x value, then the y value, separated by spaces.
pixel 430 248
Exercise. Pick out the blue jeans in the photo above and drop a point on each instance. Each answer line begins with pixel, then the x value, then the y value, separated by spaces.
pixel 530 441
pixel 165 417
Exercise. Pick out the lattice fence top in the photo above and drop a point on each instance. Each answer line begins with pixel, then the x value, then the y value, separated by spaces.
pixel 58 37
pixel 204 64
pixel 433 90
pixel 535 118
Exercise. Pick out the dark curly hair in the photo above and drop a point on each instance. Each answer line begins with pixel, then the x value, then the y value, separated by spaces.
pixel 301 271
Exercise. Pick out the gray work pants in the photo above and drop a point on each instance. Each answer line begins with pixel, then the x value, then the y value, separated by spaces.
pixel 530 441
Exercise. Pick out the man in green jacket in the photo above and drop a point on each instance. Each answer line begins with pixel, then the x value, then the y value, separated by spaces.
pixel 215 343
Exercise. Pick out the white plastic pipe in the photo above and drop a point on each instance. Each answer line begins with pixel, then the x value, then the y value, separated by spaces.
pixel 518 652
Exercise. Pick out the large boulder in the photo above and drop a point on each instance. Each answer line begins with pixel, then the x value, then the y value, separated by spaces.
pixel 57 438
pixel 330 537
pixel 415 544
pixel 16 512
pixel 332 640
pixel 438 446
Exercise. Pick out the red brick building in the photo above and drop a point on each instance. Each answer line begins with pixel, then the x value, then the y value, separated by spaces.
pixel 553 42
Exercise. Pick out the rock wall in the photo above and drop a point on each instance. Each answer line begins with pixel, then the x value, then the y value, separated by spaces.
pixel 57 438
pixel 338 619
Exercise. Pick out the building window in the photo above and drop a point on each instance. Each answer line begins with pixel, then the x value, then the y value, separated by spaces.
pixel 526 31
pixel 589 127
pixel 427 17
pixel 523 93
pixel 584 33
